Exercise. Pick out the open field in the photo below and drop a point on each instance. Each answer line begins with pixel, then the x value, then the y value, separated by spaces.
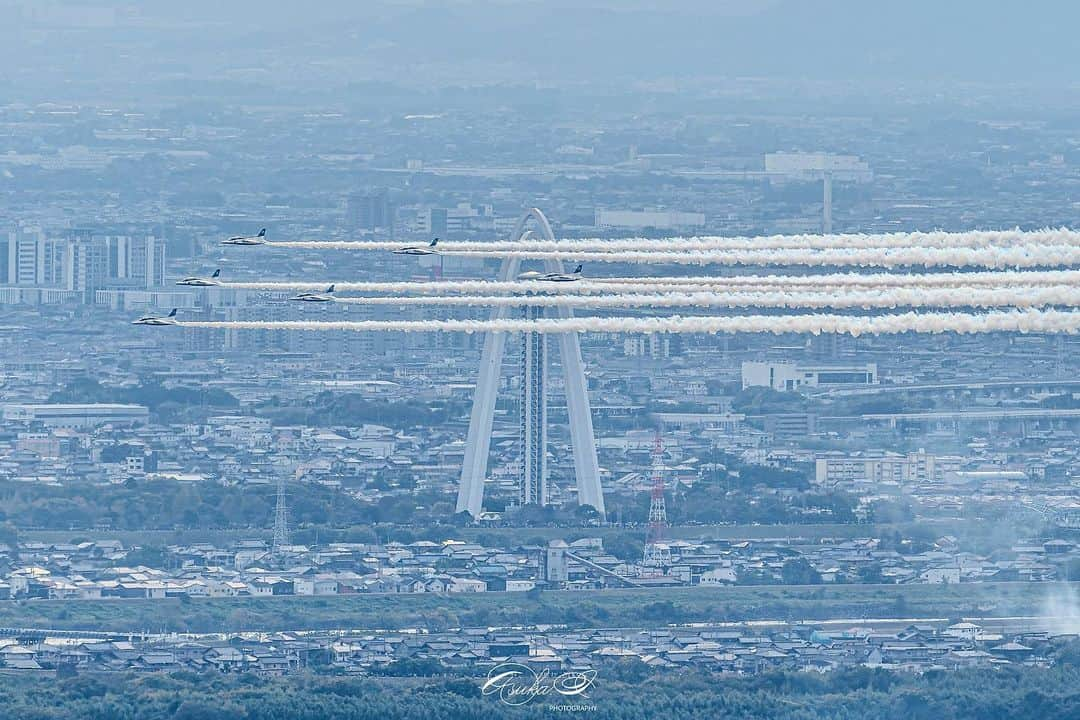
pixel 630 607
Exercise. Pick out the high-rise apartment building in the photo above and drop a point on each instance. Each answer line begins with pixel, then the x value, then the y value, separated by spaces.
pixel 86 265
pixel 138 261
pixel 368 211
pixel 81 260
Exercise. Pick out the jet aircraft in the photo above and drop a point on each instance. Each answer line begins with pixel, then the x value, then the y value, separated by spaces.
pixel 259 239
pixel 157 320
pixel 201 281
pixel 552 276
pixel 428 249
pixel 327 296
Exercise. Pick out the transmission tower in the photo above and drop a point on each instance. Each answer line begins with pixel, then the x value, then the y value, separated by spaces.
pixel 657 552
pixel 281 519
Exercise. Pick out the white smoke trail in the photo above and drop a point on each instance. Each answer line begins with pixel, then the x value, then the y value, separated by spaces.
pixel 1038 321
pixel 888 298
pixel 680 284
pixel 435 286
pixel 989 257
pixel 943 279
pixel 1006 238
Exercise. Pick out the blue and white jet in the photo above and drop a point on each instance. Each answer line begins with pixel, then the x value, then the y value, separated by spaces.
pixel 428 249
pixel 157 320
pixel 211 281
pixel 259 239
pixel 327 296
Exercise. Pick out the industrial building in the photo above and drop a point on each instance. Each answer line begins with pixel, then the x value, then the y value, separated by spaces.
pixel 77 416
pixel 832 469
pixel 789 376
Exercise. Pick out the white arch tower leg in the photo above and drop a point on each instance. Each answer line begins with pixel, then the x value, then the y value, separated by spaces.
pixel 478 442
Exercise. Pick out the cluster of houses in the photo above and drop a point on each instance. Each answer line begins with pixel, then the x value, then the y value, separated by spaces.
pixel 93 570
pixel 65 444
pixel 106 569
pixel 473 651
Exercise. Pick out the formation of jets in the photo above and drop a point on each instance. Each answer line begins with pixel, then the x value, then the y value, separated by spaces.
pixel 327 296
pixel 169 319
pixel 552 276
pixel 201 281
pixel 428 249
pixel 259 239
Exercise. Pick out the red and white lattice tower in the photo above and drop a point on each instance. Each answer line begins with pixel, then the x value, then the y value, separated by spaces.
pixel 657 552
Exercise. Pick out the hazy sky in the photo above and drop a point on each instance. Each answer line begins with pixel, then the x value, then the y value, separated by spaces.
pixel 552 41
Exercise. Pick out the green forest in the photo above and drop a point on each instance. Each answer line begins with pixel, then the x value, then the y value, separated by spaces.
pixel 623 691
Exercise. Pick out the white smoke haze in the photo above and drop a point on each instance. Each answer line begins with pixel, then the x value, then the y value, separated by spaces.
pixel 1025 321
pixel 1006 238
pixel 937 239
pixel 435 286
pixel 1062 608
pixel 679 284
pixel 889 298
pixel 940 279
pixel 1023 256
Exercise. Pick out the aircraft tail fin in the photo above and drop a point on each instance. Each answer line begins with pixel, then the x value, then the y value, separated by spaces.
pixel 262 233
pixel 217 273
pixel 172 313
pixel 330 289
pixel 577 270
pixel 433 241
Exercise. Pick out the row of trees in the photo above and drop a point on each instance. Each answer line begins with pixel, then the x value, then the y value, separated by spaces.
pixel 627 690
pixel 168 505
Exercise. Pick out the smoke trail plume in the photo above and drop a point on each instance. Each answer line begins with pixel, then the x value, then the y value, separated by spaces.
pixel 680 284
pixel 888 298
pixel 435 286
pixel 1006 238
pixel 1037 321
pixel 940 279
pixel 1024 256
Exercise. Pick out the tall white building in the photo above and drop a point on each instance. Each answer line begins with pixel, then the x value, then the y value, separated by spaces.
pixel 81 261
pixel 31 259
pixel 139 261
pixel 86 265
pixel 23 258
